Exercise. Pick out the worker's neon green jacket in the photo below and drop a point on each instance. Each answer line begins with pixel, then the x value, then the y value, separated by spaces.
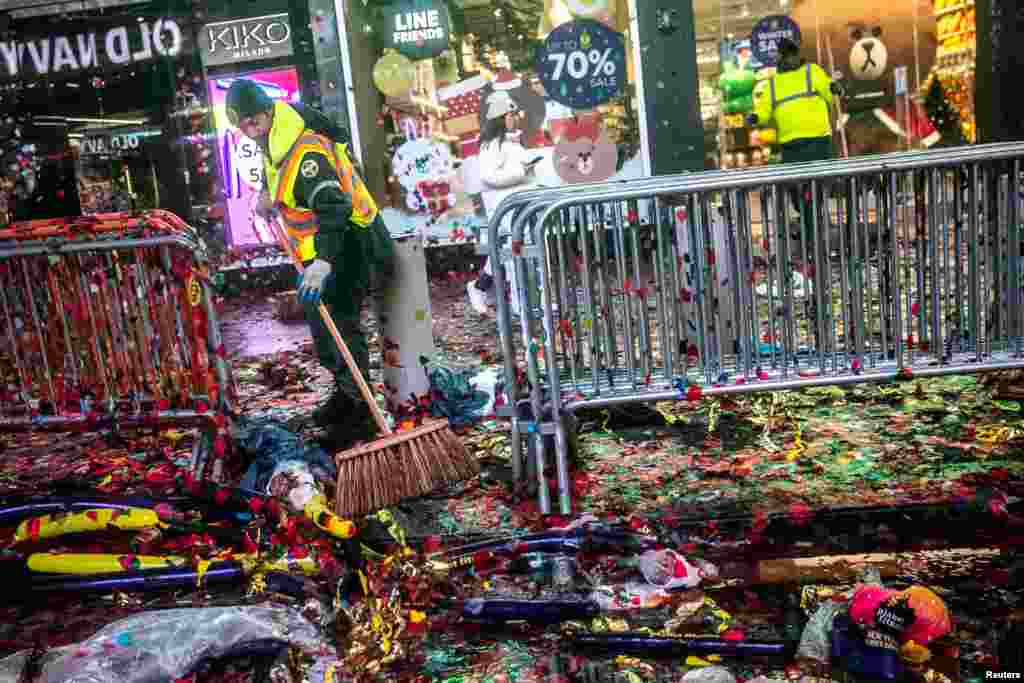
pixel 798 101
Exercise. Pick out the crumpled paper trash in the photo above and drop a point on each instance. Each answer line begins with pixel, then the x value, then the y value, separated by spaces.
pixel 170 644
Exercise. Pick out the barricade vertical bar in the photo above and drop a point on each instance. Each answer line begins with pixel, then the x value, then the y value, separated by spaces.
pixel 959 259
pixel 628 345
pixel 856 276
pixel 97 344
pixel 945 224
pixel 1016 315
pixel 744 283
pixel 590 317
pixel 128 298
pixel 880 199
pixel 731 334
pixel 983 248
pixel 108 301
pixel 912 279
pixel 820 269
pixel 533 373
pixel 935 342
pixel 922 211
pixel 184 346
pixel 828 295
pixel 607 310
pixel 152 313
pixel 511 387
pixel 703 298
pixel 999 268
pixel 11 331
pixel 37 324
pixel 850 341
pixel 869 205
pixel 786 278
pixel 972 250
pixel 734 240
pixel 564 289
pixel 675 264
pixel 561 445
pixel 807 327
pixel 896 261
pixel 639 290
pixel 662 292
pixel 61 311
pixel 774 271
pixel 780 237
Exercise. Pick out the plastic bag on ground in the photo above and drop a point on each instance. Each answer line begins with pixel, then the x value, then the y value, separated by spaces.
pixel 455 393
pixel 816 642
pixel 268 444
pixel 167 645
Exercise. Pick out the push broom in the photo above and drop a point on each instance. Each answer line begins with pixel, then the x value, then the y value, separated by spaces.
pixel 400 465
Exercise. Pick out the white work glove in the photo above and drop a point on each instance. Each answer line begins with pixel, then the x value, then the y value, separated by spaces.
pixel 312 279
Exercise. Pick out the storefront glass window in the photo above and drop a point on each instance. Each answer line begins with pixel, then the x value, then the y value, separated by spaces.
pixel 122 108
pixel 471 114
pixel 907 67
pixel 96 111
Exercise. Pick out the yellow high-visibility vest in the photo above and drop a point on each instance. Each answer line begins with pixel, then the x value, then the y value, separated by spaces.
pixel 798 101
pixel 290 141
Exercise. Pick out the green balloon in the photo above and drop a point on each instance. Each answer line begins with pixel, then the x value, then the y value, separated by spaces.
pixel 737 82
pixel 739 105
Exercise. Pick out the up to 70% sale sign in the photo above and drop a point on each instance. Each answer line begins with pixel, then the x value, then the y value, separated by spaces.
pixel 582 64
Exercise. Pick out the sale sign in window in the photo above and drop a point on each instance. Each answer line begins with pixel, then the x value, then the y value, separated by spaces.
pixel 241 159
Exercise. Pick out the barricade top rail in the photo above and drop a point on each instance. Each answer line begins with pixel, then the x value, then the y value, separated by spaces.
pixel 647 188
pixel 107 225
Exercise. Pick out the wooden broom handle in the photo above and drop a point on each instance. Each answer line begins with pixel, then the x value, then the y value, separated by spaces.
pixel 364 388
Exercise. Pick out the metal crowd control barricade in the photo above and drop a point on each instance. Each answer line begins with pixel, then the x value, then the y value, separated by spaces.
pixel 833 273
pixel 108 322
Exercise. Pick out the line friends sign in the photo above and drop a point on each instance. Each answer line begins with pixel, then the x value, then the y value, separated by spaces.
pixel 419 29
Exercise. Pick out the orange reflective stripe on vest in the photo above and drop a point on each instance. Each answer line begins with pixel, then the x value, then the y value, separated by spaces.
pixel 301 223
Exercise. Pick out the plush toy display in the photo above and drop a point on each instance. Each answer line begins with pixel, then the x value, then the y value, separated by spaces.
pixel 737 85
pixel 866 41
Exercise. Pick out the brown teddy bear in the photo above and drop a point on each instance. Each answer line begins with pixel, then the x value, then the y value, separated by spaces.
pixel 867 40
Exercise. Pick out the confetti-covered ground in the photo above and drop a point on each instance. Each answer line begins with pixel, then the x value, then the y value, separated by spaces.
pixel 950 440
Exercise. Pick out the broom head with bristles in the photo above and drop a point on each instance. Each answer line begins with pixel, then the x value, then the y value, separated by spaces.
pixel 403 465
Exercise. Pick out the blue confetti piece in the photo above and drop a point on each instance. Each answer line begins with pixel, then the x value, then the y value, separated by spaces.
pixel 124 639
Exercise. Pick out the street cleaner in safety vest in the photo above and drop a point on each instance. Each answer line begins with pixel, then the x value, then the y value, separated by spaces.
pixel 335 227
pixel 798 99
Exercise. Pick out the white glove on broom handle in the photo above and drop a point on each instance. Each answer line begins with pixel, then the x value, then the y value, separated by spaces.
pixel 364 388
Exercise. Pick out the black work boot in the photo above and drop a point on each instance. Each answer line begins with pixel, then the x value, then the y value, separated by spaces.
pixel 333 410
pixel 356 425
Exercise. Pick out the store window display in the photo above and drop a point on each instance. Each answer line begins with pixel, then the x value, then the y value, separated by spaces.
pixel 906 65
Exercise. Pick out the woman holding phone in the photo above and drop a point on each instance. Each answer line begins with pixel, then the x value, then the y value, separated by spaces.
pixel 505 167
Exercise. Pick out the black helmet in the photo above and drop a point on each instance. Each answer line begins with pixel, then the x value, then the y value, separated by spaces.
pixel 245 98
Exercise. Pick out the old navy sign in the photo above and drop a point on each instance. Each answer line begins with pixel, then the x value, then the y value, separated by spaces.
pixel 243 40
pixel 65 54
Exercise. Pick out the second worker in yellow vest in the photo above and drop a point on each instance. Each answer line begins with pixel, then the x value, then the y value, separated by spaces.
pixel 335 227
pixel 798 100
